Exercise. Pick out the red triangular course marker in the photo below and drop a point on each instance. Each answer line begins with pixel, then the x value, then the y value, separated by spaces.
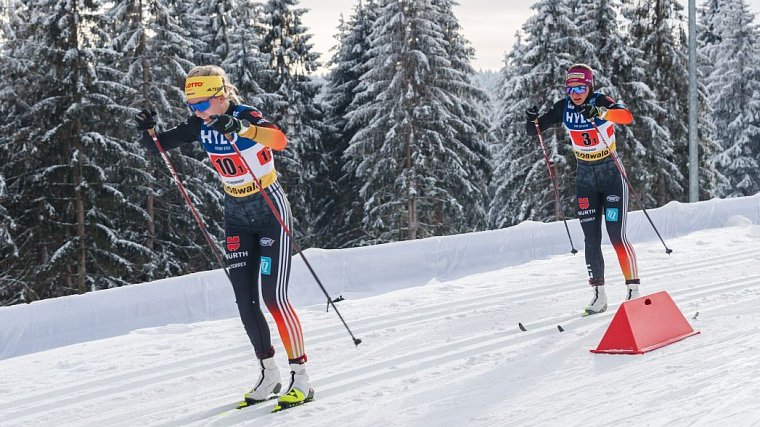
pixel 645 324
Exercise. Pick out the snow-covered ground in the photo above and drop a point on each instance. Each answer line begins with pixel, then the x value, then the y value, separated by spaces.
pixel 441 352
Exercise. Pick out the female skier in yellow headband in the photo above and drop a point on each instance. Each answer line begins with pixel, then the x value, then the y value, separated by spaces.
pixel 256 244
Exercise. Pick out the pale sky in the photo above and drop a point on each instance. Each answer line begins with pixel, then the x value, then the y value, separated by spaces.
pixel 489 25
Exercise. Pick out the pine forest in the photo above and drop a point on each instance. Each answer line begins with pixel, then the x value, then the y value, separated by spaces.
pixel 399 138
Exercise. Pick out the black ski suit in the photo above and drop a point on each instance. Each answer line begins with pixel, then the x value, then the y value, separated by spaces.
pixel 601 191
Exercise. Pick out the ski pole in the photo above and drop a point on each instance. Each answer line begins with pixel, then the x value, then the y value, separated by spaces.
pixel 554 184
pixel 190 205
pixel 296 246
pixel 628 183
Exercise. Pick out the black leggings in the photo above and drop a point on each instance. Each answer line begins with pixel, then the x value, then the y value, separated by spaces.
pixel 602 192
pixel 258 247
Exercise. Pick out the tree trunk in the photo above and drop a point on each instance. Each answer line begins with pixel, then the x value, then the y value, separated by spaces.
pixel 79 196
pixel 79 203
pixel 150 199
pixel 411 202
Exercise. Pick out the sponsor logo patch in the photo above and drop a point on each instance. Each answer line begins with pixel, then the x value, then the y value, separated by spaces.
pixel 233 243
pixel 236 255
pixel 612 214
pixel 266 242
pixel 613 198
pixel 266 266
pixel 583 202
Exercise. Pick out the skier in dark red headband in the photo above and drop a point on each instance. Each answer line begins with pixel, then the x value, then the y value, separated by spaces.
pixel 600 188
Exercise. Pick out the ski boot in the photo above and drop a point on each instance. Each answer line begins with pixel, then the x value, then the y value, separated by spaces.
pixel 268 384
pixel 598 303
pixel 300 390
pixel 632 289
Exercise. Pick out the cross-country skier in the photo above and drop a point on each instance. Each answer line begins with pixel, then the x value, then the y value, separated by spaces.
pixel 600 188
pixel 256 243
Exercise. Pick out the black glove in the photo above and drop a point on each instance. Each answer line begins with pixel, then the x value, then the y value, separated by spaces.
pixel 225 123
pixel 531 114
pixel 591 112
pixel 145 120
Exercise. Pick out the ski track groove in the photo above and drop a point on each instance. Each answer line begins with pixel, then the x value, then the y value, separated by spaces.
pixel 652 359
pixel 377 322
pixel 220 359
pixel 452 352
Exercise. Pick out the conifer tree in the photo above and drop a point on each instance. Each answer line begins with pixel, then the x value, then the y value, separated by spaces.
pixel 619 73
pixel 59 161
pixel 656 29
pixel 350 62
pixel 472 129
pixel 290 100
pixel 153 65
pixel 10 291
pixel 407 151
pixel 732 47
pixel 534 75
pixel 244 62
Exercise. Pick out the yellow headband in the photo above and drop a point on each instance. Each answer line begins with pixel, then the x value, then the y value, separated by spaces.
pixel 204 87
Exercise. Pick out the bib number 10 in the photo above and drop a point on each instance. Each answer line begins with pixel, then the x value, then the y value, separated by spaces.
pixel 228 166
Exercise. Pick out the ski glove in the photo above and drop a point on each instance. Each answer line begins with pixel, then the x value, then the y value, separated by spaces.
pixel 531 114
pixel 592 112
pixel 225 123
pixel 145 120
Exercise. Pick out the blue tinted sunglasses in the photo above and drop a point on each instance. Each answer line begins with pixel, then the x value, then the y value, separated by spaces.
pixel 203 105
pixel 579 90
pixel 200 106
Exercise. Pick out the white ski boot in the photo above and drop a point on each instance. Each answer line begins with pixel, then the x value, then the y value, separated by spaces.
pixel 300 390
pixel 268 383
pixel 598 303
pixel 632 291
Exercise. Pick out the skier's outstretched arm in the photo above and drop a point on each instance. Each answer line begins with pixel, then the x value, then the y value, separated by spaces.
pixel 552 118
pixel 184 133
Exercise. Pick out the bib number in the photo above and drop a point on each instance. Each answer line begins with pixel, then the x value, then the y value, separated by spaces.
pixel 228 166
pixel 264 156
pixel 588 140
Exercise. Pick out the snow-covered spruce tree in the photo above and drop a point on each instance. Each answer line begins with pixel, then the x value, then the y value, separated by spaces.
pixel 209 24
pixel 599 24
pixel 708 38
pixel 59 166
pixel 11 290
pixel 471 106
pixel 624 66
pixel 349 62
pixel 290 101
pixel 534 75
pixel 733 48
pixel 656 29
pixel 407 151
pixel 244 62
pixel 153 64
